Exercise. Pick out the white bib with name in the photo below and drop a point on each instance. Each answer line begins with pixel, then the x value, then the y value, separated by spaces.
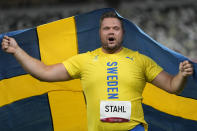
pixel 115 111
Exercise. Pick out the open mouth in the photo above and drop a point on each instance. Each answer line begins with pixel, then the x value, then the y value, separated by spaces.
pixel 111 39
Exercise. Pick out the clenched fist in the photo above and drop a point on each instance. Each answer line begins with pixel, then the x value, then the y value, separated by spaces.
pixel 9 45
pixel 186 68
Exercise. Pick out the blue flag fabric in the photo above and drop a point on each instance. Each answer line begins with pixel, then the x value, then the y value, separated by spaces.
pixel 23 116
pixel 27 39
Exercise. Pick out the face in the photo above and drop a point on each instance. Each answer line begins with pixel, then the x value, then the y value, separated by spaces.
pixel 111 35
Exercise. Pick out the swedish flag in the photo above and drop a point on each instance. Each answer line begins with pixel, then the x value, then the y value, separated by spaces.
pixel 27 104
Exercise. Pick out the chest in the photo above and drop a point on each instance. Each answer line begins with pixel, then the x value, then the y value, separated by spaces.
pixel 113 78
pixel 122 70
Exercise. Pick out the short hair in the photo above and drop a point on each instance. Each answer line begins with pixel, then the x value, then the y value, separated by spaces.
pixel 111 14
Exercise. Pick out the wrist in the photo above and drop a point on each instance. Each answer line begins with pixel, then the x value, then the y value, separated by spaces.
pixel 17 51
pixel 182 74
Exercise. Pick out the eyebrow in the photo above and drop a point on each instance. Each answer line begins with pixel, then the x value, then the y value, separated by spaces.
pixel 111 26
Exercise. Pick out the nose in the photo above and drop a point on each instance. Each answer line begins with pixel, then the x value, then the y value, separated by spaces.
pixel 111 33
pixel 111 29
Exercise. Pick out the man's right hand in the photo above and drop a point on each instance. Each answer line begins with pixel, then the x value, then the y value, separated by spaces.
pixel 9 45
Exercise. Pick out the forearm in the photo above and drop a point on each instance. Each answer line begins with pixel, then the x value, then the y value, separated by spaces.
pixel 33 66
pixel 174 84
pixel 178 83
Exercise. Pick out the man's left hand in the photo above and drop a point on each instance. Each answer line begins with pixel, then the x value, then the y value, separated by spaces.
pixel 186 68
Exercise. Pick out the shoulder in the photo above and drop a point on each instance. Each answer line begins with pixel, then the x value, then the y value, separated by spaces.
pixel 142 57
pixel 135 54
pixel 79 56
pixel 94 52
pixel 129 52
pixel 139 58
pixel 82 57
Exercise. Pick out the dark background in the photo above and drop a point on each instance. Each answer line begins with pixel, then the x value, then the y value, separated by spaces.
pixel 170 22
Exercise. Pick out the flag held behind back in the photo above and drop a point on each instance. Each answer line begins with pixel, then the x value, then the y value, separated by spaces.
pixel 87 28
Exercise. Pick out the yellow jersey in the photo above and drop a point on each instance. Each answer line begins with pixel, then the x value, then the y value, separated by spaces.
pixel 113 77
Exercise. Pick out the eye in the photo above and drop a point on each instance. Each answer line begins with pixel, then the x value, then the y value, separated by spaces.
pixel 116 28
pixel 106 28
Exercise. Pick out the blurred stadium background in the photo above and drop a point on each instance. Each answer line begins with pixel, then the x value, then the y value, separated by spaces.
pixel 170 22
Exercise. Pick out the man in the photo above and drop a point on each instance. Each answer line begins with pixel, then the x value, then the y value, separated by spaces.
pixel 112 77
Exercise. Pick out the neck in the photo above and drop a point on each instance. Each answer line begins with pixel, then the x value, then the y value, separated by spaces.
pixel 111 51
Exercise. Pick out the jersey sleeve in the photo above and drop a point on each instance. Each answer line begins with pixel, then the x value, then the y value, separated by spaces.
pixel 151 68
pixel 74 65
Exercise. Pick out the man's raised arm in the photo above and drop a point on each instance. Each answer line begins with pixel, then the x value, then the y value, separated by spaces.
pixel 174 84
pixel 35 67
